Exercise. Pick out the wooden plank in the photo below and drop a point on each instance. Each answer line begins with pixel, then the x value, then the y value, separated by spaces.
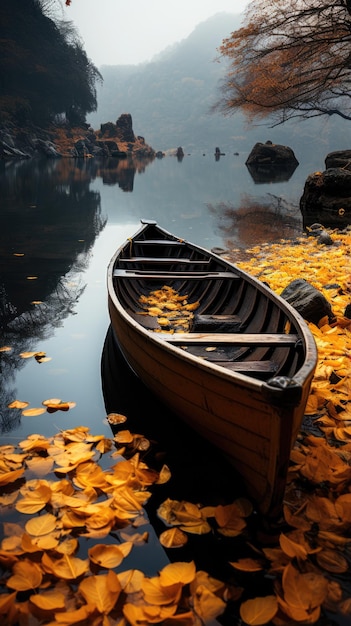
pixel 159 242
pixel 146 274
pixel 239 339
pixel 249 366
pixel 165 260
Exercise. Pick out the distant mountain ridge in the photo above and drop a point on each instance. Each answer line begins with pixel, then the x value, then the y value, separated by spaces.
pixel 170 100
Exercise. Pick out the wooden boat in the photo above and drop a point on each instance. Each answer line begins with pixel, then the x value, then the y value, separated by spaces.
pixel 237 368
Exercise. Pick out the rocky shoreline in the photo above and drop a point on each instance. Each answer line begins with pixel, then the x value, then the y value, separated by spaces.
pixel 112 140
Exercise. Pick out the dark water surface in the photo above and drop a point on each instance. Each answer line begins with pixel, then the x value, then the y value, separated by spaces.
pixel 60 222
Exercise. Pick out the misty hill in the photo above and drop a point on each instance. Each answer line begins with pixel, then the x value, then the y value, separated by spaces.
pixel 170 99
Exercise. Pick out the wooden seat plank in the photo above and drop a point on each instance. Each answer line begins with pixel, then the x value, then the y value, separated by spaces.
pixel 249 366
pixel 165 260
pixel 239 339
pixel 159 242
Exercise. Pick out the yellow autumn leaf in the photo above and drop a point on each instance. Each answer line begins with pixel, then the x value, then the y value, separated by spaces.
pixel 164 475
pixel 173 538
pixel 79 616
pixel 26 575
pixel 183 572
pixel 68 546
pixel 157 594
pixel 107 556
pixel 116 418
pixel 145 615
pixel 101 591
pixel 34 501
pixel 33 411
pixel 49 600
pixel 247 565
pixel 10 477
pixel 124 436
pixel 51 401
pixel 67 567
pixel 41 525
pixel 5 349
pixel 39 465
pixel 17 404
pixel 131 580
pixel 207 604
pixel 259 610
pixel 6 602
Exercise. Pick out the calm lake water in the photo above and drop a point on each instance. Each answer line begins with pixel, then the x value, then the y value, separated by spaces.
pixel 60 222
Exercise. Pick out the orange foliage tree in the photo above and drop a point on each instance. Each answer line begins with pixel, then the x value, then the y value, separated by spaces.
pixel 289 60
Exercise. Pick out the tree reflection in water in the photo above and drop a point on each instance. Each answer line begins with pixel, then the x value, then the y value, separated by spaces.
pixel 48 225
pixel 257 221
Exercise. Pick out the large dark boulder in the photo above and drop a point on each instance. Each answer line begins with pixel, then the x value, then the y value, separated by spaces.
pixel 271 154
pixel 327 198
pixel 341 158
pixel 307 300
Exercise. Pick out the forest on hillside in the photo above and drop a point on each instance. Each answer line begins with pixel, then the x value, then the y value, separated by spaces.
pixel 45 72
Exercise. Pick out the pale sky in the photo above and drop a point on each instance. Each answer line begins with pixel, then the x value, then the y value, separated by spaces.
pixel 119 32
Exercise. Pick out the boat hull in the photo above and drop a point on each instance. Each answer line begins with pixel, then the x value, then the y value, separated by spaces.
pixel 253 422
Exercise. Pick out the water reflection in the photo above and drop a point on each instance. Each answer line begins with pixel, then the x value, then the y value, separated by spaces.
pixel 199 472
pixel 257 220
pixel 271 173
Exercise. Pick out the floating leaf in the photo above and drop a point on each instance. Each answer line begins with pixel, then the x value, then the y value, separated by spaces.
pixel 42 525
pixel 173 573
pixel 10 477
pixel 49 600
pixel 26 575
pixel 116 418
pixel 247 565
pixel 68 567
pixel 173 538
pixel 259 610
pixel 108 556
pixel 17 404
pixel 102 591
pixel 33 411
pixel 5 349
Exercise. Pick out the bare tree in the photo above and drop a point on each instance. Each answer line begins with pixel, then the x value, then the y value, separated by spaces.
pixel 290 60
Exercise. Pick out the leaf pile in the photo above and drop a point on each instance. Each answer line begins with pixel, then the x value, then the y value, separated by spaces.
pixel 172 310
pixel 62 498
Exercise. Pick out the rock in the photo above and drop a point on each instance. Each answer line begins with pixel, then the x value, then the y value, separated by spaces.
pixel 109 129
pixel 341 158
pixel 62 140
pixel 180 152
pixel 125 127
pixel 327 197
pixel 273 154
pixel 307 300
pixel 318 231
pixel 47 148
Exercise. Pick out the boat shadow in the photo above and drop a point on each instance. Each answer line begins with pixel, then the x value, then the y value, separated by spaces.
pixel 199 472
